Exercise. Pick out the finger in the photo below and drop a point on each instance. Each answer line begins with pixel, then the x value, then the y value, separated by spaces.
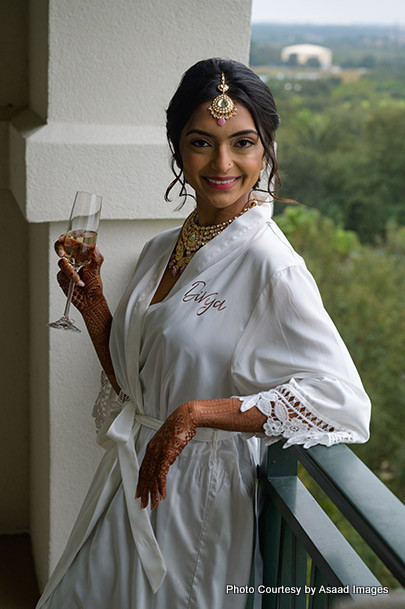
pixel 58 245
pixel 142 494
pixel 154 499
pixel 144 498
pixel 159 484
pixel 162 486
pixel 147 486
pixel 139 489
pixel 98 256
pixel 96 260
pixel 69 271
pixel 142 490
pixel 64 281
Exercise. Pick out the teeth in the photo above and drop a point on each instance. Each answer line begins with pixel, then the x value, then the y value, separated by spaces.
pixel 221 181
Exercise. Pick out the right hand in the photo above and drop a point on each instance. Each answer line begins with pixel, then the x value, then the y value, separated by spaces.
pixel 161 452
pixel 89 288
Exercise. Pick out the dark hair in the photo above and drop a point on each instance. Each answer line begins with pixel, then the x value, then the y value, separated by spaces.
pixel 199 85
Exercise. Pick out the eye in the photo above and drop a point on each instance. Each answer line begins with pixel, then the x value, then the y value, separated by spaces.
pixel 244 143
pixel 199 143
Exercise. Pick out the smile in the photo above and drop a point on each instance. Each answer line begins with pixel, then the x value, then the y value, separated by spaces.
pixel 221 183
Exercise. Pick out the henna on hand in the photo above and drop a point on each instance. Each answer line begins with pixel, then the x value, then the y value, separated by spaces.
pixel 179 429
pixel 161 452
pixel 89 288
pixel 88 298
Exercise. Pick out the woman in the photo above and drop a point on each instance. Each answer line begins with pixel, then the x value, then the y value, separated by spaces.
pixel 221 331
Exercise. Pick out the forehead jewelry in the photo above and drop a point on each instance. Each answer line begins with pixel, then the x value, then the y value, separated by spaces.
pixel 222 107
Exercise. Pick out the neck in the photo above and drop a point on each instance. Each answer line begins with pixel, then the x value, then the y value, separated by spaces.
pixel 210 216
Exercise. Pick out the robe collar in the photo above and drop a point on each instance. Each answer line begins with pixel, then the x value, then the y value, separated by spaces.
pixel 254 218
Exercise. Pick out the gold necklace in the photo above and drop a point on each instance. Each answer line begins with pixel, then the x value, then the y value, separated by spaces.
pixel 192 237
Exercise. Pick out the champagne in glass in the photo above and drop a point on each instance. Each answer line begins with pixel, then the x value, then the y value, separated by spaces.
pixel 78 247
pixel 79 244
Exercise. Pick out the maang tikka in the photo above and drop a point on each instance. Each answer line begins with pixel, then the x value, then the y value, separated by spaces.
pixel 222 107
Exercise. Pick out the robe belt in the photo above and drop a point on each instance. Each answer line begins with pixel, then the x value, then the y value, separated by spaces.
pixel 122 432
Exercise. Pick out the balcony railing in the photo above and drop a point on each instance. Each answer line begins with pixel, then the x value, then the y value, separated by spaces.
pixel 303 549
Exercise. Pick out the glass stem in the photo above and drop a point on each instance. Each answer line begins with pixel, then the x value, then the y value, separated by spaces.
pixel 69 298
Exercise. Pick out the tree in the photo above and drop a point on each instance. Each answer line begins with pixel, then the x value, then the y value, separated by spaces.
pixel 362 288
pixel 263 55
pixel 368 61
pixel 347 158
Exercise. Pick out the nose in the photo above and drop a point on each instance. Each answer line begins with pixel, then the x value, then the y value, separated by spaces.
pixel 222 159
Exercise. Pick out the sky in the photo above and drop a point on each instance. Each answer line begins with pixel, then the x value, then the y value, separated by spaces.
pixel 347 12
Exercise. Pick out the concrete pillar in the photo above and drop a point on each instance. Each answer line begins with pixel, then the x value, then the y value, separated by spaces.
pixel 14 371
pixel 101 75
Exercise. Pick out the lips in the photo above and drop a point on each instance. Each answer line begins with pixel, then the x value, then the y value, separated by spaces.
pixel 222 183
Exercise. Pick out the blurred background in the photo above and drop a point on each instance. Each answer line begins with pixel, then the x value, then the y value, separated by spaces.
pixel 337 72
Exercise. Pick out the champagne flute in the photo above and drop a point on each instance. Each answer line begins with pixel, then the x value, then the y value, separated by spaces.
pixel 79 244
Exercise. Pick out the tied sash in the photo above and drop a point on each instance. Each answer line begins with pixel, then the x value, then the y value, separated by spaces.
pixel 122 431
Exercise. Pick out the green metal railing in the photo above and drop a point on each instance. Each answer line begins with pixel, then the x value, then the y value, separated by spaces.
pixel 307 561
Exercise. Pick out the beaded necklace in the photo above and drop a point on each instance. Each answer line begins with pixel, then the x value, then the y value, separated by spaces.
pixel 192 237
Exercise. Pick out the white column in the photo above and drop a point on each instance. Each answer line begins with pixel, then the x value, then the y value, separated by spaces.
pixel 102 74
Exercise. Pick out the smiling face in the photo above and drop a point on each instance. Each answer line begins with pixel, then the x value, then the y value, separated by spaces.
pixel 221 163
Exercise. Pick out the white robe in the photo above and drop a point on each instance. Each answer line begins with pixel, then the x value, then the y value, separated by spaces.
pixel 244 319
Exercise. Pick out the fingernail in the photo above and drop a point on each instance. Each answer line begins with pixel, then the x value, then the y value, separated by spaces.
pixel 81 283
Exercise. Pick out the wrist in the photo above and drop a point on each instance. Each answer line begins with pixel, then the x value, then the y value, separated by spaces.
pixel 98 309
pixel 193 412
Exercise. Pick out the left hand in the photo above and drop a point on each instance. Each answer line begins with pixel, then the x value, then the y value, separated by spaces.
pixel 88 290
pixel 161 452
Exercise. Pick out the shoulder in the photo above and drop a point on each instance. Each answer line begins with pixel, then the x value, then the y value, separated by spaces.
pixel 272 251
pixel 155 246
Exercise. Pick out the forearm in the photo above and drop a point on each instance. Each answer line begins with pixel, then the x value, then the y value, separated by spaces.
pixel 177 431
pixel 225 413
pixel 88 298
pixel 98 320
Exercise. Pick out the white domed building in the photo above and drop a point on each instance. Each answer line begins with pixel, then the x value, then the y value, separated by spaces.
pixel 307 54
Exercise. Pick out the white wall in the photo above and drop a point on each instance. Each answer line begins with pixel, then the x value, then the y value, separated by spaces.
pixel 100 76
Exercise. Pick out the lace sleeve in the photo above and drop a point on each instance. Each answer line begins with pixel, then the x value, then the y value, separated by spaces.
pixel 290 415
pixel 292 364
pixel 108 404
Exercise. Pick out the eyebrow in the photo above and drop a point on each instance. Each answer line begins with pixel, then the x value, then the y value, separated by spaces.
pixel 244 132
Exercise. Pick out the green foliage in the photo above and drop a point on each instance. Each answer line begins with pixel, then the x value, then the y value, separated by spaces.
pixel 348 158
pixel 264 54
pixel 363 289
pixel 341 150
pixel 340 144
